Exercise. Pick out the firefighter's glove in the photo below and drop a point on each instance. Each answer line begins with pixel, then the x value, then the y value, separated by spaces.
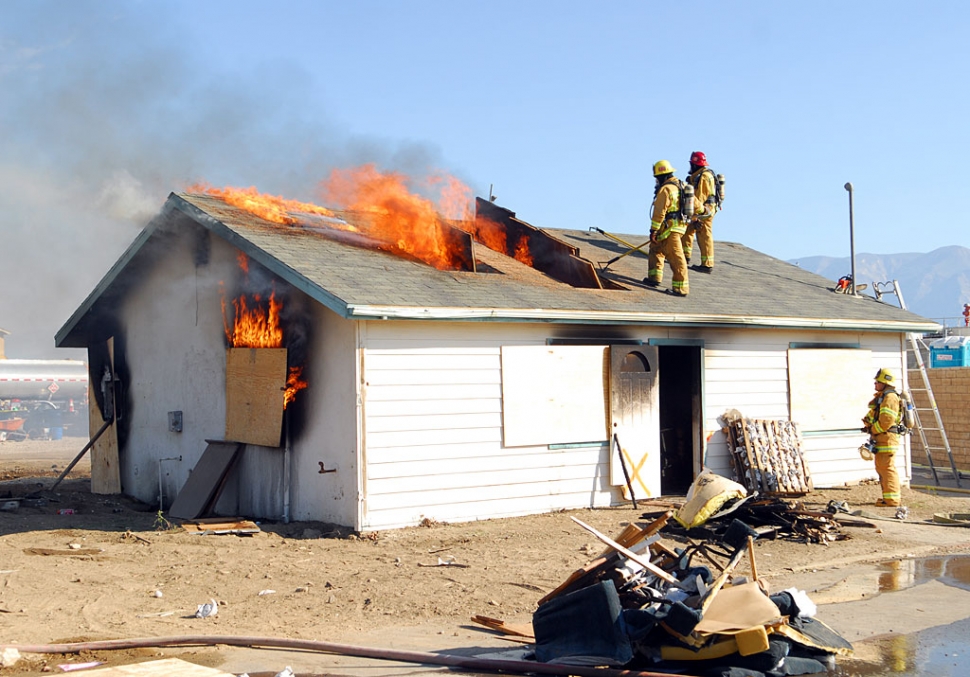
pixel 653 237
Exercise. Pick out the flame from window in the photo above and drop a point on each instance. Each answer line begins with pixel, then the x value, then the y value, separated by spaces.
pixel 256 324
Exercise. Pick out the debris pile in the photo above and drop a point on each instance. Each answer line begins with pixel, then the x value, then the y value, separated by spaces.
pixel 644 605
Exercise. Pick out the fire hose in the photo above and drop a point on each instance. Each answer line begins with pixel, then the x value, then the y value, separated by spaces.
pixel 468 663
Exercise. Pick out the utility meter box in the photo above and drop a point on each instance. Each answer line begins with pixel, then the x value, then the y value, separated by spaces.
pixel 950 351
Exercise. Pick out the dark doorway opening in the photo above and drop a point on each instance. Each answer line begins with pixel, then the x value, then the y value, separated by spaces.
pixel 680 416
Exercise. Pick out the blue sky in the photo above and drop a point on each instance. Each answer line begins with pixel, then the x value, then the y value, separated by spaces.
pixel 106 107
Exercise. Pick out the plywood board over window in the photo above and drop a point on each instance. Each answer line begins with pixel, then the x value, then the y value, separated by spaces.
pixel 829 388
pixel 255 380
pixel 554 394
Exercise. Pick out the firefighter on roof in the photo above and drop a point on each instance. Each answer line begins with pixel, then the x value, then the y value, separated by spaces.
pixel 702 178
pixel 882 422
pixel 666 230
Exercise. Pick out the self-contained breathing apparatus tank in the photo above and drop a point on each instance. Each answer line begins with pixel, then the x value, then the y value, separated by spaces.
pixel 720 189
pixel 686 201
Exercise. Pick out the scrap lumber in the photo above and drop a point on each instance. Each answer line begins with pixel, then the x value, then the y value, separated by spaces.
pixel 581 577
pixel 632 534
pixel 514 629
pixel 629 554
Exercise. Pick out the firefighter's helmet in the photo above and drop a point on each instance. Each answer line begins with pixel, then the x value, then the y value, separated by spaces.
pixel 698 158
pixel 663 167
pixel 885 376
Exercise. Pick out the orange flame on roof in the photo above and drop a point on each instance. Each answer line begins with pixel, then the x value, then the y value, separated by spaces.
pixel 398 216
pixel 270 207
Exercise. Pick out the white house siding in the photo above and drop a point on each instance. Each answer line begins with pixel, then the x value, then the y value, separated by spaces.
pixel 748 371
pixel 432 399
pixel 331 430
pixel 432 415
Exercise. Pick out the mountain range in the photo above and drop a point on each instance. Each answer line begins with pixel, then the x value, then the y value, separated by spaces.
pixel 934 285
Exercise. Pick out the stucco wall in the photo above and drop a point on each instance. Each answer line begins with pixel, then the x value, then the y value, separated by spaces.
pixel 951 390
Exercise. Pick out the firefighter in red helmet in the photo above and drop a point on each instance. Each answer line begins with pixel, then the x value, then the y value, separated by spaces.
pixel 666 231
pixel 701 223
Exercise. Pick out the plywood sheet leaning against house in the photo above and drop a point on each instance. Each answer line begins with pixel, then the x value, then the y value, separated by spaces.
pixel 767 456
pixel 200 492
pixel 255 381
pixel 105 466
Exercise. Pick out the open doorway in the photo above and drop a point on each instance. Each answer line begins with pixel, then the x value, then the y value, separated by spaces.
pixel 681 422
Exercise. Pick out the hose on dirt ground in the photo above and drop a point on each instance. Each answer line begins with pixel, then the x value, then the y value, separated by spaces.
pixel 468 663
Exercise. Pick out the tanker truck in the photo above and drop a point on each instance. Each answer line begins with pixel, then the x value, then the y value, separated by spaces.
pixel 43 399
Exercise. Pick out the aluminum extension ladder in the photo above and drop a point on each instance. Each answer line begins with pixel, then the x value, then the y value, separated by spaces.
pixel 915 344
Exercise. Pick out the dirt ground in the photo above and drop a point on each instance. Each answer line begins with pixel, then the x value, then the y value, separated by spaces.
pixel 114 568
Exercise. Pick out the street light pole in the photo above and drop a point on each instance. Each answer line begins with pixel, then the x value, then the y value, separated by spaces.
pixel 848 187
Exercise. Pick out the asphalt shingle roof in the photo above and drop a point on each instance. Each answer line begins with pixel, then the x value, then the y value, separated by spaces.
pixel 746 288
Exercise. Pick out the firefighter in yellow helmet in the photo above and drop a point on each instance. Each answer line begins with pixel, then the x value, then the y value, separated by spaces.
pixel 702 220
pixel 666 230
pixel 882 422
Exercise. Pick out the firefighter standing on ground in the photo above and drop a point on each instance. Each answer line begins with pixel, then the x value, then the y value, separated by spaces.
pixel 882 422
pixel 702 221
pixel 666 231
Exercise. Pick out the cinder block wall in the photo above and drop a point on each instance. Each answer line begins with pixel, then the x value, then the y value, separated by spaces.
pixel 951 389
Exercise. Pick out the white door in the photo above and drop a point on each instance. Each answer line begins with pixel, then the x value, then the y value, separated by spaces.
pixel 635 419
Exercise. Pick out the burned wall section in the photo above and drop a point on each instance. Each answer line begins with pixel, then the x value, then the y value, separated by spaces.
pixel 258 288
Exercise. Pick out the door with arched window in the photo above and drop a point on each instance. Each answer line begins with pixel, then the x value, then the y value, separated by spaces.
pixel 635 419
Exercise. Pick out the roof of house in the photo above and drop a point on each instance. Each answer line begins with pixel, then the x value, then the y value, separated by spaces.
pixel 747 288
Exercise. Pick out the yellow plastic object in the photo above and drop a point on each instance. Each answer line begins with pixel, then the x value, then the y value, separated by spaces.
pixel 753 640
pixel 663 167
pixel 717 649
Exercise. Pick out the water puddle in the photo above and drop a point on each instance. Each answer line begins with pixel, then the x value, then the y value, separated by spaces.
pixel 953 570
pixel 939 651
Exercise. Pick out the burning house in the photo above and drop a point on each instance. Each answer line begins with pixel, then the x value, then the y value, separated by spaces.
pixel 375 378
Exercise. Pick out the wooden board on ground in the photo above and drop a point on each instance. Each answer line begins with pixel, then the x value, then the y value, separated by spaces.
pixel 105 468
pixel 497 624
pixel 221 525
pixel 255 381
pixel 201 490
pixel 161 668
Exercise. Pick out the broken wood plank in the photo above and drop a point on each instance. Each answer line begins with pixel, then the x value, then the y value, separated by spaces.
pixel 516 629
pixel 632 534
pixel 629 554
pixel 221 526
pixel 579 577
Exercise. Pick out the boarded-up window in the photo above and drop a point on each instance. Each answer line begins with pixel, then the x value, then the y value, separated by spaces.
pixel 255 378
pixel 554 394
pixel 829 388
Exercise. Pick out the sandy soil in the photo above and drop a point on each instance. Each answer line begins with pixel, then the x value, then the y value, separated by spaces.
pixel 117 569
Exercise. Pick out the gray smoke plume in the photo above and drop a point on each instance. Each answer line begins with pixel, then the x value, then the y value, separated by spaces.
pixel 106 108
